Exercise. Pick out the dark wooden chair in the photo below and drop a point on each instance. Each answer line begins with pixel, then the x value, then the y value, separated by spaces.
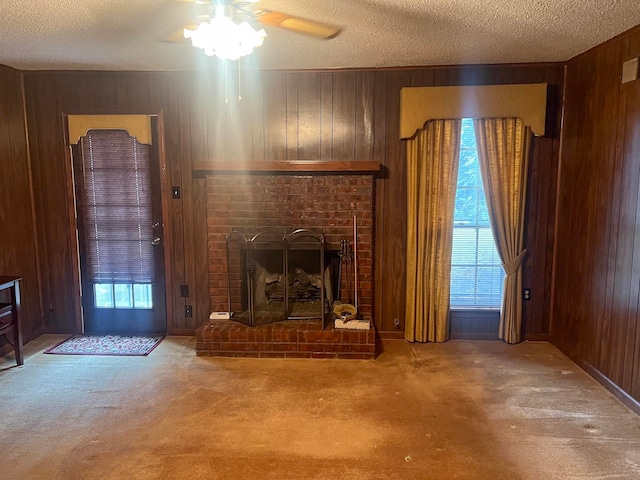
pixel 10 326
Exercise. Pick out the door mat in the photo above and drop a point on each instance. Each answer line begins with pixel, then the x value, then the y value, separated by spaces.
pixel 106 345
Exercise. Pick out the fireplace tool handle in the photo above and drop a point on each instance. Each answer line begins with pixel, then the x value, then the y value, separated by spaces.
pixel 341 255
pixel 355 263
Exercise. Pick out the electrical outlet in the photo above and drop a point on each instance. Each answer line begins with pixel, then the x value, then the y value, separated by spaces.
pixel 188 311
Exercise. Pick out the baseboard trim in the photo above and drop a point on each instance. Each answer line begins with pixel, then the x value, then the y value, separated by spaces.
pixel 390 335
pixel 182 332
pixel 6 349
pixel 603 380
pixel 46 331
pixel 474 336
pixel 537 337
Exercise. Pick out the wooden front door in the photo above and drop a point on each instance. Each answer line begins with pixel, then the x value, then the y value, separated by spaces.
pixel 120 233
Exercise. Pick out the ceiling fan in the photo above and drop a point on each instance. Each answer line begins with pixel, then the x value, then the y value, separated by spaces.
pixel 226 21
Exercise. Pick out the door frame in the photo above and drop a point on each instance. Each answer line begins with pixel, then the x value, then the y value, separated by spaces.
pixel 165 197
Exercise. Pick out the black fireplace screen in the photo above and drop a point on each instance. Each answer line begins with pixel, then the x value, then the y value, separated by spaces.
pixel 274 277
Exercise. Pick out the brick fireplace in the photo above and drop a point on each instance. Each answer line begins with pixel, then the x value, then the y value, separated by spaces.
pixel 322 198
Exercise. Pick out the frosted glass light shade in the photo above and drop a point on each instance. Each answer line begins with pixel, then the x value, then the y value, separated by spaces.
pixel 224 38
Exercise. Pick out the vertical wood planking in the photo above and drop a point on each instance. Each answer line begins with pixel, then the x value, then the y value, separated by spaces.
pixel 230 115
pixel 275 116
pixel 344 116
pixel 193 142
pixel 196 146
pixel 379 155
pixel 544 270
pixel 293 117
pixel 365 112
pixel 52 183
pixel 39 206
pixel 392 264
pixel 535 220
pixel 595 308
pixel 186 137
pixel 633 131
pixel 309 111
pixel 604 142
pixel 257 116
pixel 133 92
pixel 18 241
pixel 631 147
pixel 174 239
pixel 200 289
pixel 422 78
pixel 242 147
pixel 326 116
pixel 379 120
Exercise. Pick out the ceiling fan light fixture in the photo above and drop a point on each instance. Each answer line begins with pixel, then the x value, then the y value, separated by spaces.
pixel 224 38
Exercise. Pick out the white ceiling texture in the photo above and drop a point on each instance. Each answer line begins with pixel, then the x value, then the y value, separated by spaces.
pixel 127 34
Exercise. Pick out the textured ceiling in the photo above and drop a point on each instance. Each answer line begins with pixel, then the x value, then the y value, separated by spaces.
pixel 126 34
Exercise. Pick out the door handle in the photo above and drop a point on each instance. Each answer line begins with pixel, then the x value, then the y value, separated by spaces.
pixel 156 241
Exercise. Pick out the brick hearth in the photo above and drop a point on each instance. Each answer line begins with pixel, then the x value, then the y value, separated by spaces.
pixel 288 339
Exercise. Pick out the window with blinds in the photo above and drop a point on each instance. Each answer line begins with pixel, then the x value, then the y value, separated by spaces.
pixel 476 271
pixel 115 205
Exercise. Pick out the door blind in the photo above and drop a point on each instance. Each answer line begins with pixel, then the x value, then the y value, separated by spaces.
pixel 115 206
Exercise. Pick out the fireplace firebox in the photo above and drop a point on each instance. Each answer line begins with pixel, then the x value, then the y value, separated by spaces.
pixel 273 277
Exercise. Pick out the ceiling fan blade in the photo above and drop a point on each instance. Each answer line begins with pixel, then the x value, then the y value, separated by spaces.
pixel 296 24
pixel 178 35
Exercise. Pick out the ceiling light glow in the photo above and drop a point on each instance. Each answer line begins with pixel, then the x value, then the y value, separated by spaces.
pixel 224 38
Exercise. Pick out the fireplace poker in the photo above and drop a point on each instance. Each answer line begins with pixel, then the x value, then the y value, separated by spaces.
pixel 355 262
pixel 342 255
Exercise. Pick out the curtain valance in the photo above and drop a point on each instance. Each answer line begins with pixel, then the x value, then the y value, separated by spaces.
pixel 421 104
pixel 138 126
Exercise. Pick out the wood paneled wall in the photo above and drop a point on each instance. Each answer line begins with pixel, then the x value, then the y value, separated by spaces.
pixel 283 115
pixel 17 227
pixel 596 311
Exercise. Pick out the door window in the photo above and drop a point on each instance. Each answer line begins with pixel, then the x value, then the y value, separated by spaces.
pixel 123 295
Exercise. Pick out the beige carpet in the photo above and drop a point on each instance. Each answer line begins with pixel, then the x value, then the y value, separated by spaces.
pixel 460 410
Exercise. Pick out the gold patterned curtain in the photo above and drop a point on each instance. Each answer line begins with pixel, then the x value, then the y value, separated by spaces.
pixel 503 153
pixel 432 175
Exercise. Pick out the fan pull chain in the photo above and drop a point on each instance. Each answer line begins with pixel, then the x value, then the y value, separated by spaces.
pixel 226 83
pixel 239 83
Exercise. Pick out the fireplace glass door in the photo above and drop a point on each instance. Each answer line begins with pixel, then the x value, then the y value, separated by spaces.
pixel 274 277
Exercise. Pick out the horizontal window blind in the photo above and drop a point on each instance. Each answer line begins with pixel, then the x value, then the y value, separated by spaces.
pixel 476 272
pixel 115 205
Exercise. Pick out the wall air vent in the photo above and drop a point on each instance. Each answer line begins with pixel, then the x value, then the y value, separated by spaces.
pixel 630 70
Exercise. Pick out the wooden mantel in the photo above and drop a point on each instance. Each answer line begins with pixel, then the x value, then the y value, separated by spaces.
pixel 294 166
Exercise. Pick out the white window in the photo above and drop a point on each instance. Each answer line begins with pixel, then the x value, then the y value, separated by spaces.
pixel 476 272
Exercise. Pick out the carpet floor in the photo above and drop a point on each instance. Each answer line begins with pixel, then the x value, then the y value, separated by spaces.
pixel 459 410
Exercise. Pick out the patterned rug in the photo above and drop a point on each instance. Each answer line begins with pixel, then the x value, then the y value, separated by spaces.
pixel 106 345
